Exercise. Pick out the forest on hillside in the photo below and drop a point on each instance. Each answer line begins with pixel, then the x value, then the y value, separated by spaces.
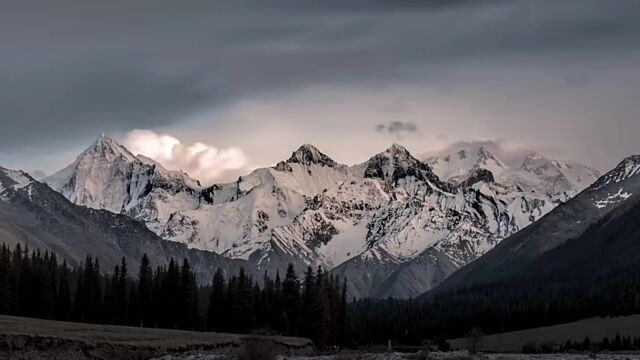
pixel 312 305
pixel 36 284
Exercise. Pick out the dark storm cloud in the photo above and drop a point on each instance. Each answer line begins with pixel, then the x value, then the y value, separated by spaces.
pixel 70 69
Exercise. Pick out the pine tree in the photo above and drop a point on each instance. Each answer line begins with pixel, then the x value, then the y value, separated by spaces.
pixel 26 287
pixel 320 311
pixel 133 314
pixel 290 301
pixel 171 289
pixel 242 306
pixel 14 278
pixel 145 289
pixel 309 294
pixel 158 298
pixel 342 327
pixel 121 294
pixel 5 271
pixel 49 275
pixel 189 313
pixel 63 298
pixel 109 302
pixel 215 311
pixel 80 302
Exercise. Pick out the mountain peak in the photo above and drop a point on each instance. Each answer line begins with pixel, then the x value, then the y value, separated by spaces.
pixel 398 150
pixel 533 155
pixel 107 147
pixel 627 168
pixel 397 163
pixel 536 163
pixel 396 156
pixel 17 178
pixel 307 154
pixel 632 160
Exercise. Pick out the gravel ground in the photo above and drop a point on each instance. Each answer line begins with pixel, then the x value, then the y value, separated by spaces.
pixel 432 356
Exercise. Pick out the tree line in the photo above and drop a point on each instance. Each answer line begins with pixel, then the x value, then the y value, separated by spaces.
pixel 36 284
pixel 617 343
pixel 540 300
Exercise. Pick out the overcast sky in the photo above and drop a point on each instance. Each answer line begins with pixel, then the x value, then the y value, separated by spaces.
pixel 238 84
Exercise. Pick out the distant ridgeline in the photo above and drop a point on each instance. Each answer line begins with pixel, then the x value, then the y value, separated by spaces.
pixel 34 284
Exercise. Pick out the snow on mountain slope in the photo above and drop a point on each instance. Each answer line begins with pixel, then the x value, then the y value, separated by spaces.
pixel 391 212
pixel 461 226
pixel 240 219
pixel 627 168
pixel 107 176
pixel 526 170
pixel 568 221
pixel 613 188
pixel 454 163
pixel 14 180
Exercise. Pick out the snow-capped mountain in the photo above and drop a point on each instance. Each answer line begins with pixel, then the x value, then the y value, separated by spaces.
pixel 596 207
pixel 33 214
pixel 107 176
pixel 526 170
pixel 390 224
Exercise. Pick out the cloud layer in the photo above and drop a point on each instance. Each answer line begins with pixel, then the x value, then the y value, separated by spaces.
pixel 201 161
pixel 71 69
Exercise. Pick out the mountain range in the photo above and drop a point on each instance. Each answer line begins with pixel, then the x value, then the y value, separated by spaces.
pixel 592 232
pixel 33 214
pixel 579 261
pixel 394 225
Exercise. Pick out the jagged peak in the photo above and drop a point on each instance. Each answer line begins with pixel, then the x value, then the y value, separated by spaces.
pixel 628 167
pixel 534 160
pixel 396 148
pixel 630 161
pixel 307 151
pixel 18 178
pixel 477 175
pixel 396 163
pixel 106 146
pixel 307 154
pixel 397 155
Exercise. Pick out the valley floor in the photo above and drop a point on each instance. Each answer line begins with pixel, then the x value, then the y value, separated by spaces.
pixel 433 356
pixel 27 338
